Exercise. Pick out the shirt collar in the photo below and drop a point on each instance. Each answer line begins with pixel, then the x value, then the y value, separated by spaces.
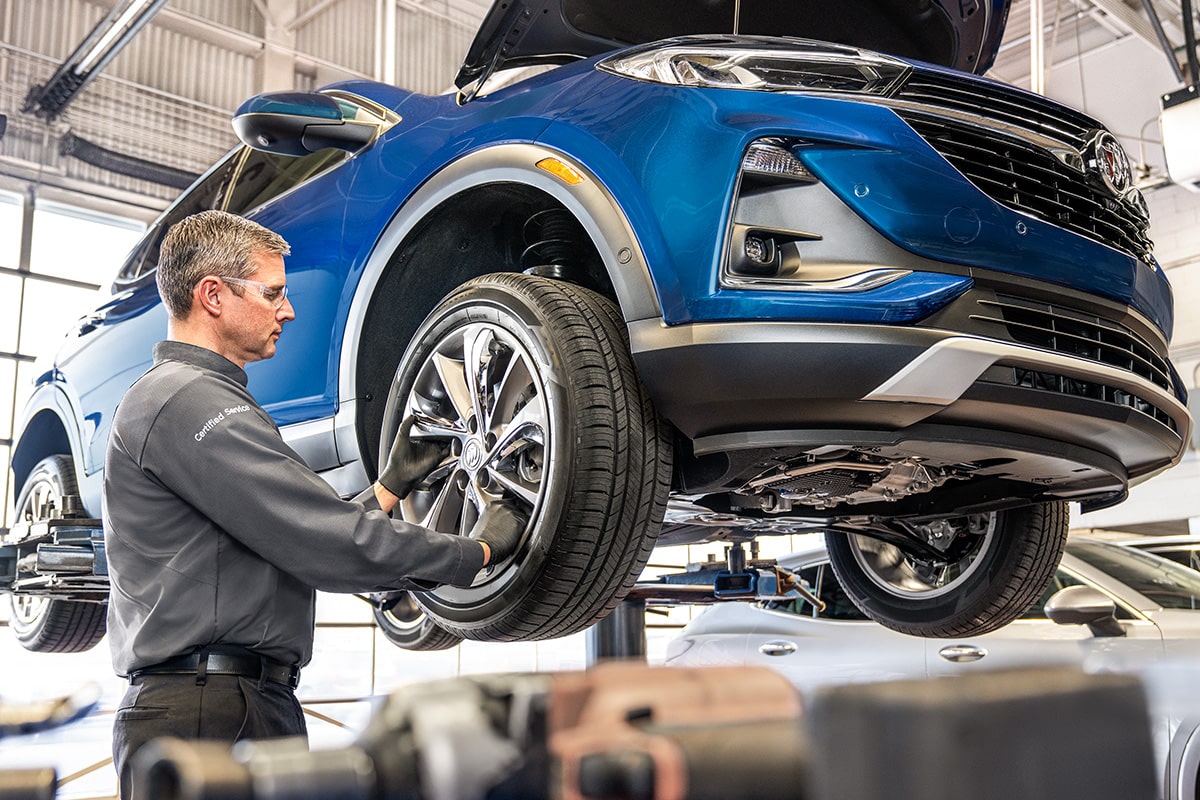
pixel 198 356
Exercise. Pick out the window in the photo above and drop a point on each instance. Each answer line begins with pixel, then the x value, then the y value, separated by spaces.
pixel 265 176
pixel 78 244
pixel 207 194
pixel 11 208
pixel 10 307
pixel 242 182
pixel 1160 580
pixel 49 312
pixel 8 377
pixel 1188 555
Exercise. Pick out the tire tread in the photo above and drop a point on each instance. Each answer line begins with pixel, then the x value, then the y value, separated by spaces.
pixel 1035 537
pixel 620 477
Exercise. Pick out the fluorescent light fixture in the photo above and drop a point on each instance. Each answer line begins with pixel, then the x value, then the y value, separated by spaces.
pixel 90 57
pixel 1180 122
pixel 131 11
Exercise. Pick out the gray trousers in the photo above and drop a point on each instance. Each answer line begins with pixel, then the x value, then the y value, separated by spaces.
pixel 225 708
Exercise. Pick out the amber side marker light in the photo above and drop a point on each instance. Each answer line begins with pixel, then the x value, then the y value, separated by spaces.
pixel 563 172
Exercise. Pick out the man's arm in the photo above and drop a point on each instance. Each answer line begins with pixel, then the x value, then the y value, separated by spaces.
pixel 242 476
pixel 387 501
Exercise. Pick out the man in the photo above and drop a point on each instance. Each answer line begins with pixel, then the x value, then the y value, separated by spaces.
pixel 216 531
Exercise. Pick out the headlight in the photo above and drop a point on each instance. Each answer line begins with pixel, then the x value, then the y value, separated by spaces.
pixel 768 65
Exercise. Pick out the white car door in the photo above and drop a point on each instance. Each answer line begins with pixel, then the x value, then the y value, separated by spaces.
pixel 811 649
pixel 1034 640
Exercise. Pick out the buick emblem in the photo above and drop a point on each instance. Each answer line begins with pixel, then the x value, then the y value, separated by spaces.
pixel 1106 161
pixel 472 455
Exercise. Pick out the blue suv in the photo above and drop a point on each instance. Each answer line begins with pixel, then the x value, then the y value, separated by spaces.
pixel 664 273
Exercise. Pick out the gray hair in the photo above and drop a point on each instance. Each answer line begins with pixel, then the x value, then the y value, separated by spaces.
pixel 209 243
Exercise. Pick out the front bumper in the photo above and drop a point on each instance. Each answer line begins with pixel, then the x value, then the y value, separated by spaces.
pixel 1072 427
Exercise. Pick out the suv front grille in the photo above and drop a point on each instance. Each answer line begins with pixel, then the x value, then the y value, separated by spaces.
pixel 1073 387
pixel 998 106
pixel 1074 333
pixel 1017 171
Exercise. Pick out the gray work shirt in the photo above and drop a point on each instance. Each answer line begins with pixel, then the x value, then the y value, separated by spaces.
pixel 217 532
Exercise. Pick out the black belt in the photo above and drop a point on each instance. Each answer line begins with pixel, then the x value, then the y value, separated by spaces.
pixel 203 663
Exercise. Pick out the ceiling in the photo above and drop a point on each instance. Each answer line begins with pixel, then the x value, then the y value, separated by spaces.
pixel 1103 57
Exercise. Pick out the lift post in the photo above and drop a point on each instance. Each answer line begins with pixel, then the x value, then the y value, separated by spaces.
pixel 622 634
pixel 619 636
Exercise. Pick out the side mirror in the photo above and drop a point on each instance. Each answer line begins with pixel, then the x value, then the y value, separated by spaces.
pixel 299 123
pixel 1085 605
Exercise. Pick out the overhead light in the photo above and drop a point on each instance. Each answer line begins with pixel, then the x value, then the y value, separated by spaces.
pixel 1180 122
pixel 110 34
pixel 90 57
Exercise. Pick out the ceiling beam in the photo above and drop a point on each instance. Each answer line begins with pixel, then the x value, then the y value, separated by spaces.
pixel 209 32
pixel 1129 19
pixel 300 20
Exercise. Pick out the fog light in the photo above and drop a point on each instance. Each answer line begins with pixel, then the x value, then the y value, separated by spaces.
pixel 755 253
pixel 760 251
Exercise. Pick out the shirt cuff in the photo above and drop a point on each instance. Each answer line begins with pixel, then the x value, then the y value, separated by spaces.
pixel 367 499
pixel 470 563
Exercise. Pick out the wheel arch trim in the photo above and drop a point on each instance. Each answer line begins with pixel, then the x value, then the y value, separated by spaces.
pixel 47 406
pixel 592 204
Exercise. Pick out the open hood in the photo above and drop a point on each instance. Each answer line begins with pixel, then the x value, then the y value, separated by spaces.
pixel 962 34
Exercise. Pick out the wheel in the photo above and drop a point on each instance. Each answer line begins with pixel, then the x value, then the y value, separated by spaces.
pixel 406 625
pixel 42 624
pixel 996 567
pixel 532 383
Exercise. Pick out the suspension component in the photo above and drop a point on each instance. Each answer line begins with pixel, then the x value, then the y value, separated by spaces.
pixel 554 246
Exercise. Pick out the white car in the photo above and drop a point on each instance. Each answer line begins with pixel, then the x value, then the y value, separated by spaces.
pixel 1182 548
pixel 1117 610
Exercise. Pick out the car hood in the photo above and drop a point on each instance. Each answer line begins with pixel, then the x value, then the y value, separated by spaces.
pixel 961 34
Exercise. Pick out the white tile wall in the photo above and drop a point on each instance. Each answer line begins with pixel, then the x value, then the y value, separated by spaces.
pixel 1175 229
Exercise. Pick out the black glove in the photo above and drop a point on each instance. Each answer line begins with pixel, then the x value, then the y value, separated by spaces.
pixel 410 461
pixel 500 526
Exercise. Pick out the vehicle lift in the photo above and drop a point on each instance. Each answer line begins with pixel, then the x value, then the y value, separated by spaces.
pixel 61 557
pixel 622 634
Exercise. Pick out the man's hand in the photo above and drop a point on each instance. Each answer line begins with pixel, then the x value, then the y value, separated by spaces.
pixel 410 461
pixel 500 527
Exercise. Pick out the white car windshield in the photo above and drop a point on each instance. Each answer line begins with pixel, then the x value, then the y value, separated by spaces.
pixel 1169 584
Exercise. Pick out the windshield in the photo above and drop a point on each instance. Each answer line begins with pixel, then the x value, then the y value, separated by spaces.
pixel 1168 584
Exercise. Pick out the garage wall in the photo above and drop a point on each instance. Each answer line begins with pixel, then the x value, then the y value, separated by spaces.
pixel 1175 216
pixel 1170 498
pixel 167 99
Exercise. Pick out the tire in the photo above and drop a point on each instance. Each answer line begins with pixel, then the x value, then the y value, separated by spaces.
pixel 41 624
pixel 1007 562
pixel 406 625
pixel 568 433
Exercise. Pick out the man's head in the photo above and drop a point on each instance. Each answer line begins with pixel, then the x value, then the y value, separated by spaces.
pixel 222 280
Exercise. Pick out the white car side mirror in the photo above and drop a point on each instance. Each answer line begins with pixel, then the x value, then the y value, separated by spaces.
pixel 1085 605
